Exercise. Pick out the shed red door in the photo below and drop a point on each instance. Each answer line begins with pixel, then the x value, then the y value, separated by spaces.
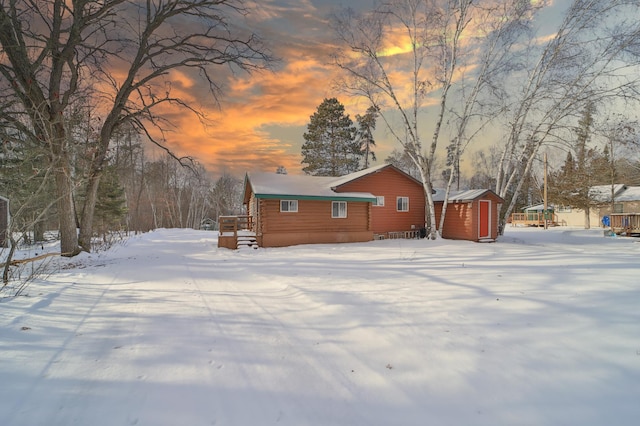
pixel 485 214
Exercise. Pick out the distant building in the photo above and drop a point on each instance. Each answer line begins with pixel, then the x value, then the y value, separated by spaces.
pixel 626 199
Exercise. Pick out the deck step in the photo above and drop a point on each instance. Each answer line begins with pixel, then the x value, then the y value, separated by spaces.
pixel 247 241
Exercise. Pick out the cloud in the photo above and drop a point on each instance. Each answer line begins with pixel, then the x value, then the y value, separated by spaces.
pixel 262 115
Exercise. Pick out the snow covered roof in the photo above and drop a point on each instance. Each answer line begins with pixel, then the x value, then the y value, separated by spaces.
pixel 538 207
pixel 357 175
pixel 602 193
pixel 274 185
pixel 460 196
pixel 631 193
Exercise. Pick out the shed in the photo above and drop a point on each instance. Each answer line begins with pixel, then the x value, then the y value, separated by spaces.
pixel 208 224
pixel 471 215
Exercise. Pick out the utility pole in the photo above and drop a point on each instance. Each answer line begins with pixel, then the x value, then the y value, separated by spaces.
pixel 545 192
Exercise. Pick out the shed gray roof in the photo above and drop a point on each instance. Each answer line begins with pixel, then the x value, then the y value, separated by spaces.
pixel 460 196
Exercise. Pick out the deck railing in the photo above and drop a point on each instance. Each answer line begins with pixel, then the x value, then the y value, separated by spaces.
pixel 233 224
pixel 533 219
pixel 235 231
pixel 625 223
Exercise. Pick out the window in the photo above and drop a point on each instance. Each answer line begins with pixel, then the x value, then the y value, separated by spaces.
pixel 563 209
pixel 379 201
pixel 289 206
pixel 618 208
pixel 338 209
pixel 402 204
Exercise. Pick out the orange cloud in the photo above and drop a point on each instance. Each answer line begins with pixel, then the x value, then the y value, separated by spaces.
pixel 262 117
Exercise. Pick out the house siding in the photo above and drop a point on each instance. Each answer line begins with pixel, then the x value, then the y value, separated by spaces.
pixel 463 218
pixel 312 223
pixel 460 222
pixel 391 183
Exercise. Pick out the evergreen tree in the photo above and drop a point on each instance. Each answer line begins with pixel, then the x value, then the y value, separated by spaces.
pixel 366 126
pixel 330 147
pixel 571 185
pixel 26 181
pixel 561 182
pixel 111 207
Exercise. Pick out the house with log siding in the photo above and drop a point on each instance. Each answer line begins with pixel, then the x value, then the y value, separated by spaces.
pixel 379 202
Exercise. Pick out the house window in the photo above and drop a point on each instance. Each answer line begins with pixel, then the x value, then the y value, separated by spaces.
pixel 289 206
pixel 563 209
pixel 402 204
pixel 338 209
pixel 379 201
pixel 618 208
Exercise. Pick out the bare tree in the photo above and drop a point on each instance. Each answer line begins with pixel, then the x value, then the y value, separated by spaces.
pixel 125 50
pixel 226 196
pixel 444 39
pixel 592 57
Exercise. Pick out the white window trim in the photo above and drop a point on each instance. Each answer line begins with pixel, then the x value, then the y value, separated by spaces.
pixel 290 203
pixel 333 203
pixel 379 201
pixel 397 202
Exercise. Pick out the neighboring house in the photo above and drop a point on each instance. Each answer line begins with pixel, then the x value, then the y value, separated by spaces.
pixel 626 200
pixel 535 216
pixel 471 215
pixel 208 224
pixel 378 202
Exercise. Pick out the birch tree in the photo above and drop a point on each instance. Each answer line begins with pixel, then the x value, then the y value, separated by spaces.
pixel 407 59
pixel 591 58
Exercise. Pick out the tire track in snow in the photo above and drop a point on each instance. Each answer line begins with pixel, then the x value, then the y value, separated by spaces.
pixel 288 357
pixel 54 368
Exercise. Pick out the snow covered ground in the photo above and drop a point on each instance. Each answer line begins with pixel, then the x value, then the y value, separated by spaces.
pixel 539 328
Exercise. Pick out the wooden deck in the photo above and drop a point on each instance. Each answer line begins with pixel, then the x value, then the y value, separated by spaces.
pixel 406 235
pixel 625 223
pixel 533 219
pixel 236 231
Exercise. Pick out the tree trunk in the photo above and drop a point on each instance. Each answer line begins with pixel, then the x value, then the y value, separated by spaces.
pixel 66 212
pixel 587 218
pixel 88 211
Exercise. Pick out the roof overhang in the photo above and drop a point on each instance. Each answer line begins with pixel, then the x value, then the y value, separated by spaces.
pixel 365 198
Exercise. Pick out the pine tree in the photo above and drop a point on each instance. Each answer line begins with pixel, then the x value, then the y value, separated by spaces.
pixel 330 147
pixel 25 180
pixel 562 185
pixel 366 126
pixel 111 207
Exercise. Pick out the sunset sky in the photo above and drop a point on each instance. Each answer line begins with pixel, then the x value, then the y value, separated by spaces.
pixel 263 116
